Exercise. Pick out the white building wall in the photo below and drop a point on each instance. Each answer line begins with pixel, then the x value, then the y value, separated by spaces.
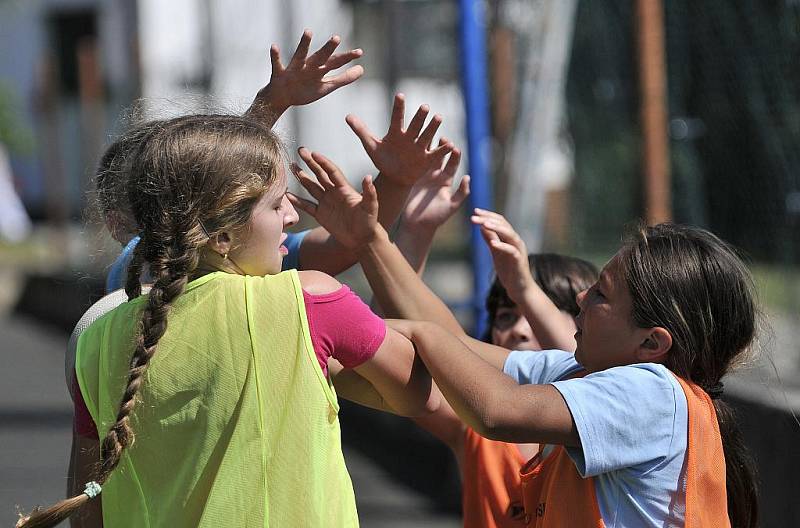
pixel 171 38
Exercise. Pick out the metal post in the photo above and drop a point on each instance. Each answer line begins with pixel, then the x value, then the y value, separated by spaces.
pixel 476 101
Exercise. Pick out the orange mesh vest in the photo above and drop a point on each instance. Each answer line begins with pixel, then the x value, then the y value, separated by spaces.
pixel 555 495
pixel 491 494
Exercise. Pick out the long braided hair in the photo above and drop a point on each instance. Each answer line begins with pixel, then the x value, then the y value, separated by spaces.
pixel 690 282
pixel 190 179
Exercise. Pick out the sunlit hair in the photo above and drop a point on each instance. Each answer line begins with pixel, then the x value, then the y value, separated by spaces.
pixel 112 176
pixel 560 277
pixel 694 285
pixel 190 179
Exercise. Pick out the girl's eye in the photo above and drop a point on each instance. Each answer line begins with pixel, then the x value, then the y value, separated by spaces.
pixel 599 294
pixel 504 319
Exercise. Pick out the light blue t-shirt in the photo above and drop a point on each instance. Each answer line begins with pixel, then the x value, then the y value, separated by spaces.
pixel 633 426
pixel 118 273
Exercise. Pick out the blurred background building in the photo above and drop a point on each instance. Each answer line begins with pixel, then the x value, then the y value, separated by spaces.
pixel 567 146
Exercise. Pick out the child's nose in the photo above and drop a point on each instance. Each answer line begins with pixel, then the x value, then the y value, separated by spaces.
pixel 291 217
pixel 522 329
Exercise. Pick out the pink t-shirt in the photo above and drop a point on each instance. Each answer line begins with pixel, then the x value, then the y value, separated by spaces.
pixel 341 326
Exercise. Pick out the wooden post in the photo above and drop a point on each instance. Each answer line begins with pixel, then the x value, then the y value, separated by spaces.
pixel 653 88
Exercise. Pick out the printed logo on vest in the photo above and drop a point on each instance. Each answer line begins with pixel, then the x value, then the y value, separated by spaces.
pixel 516 511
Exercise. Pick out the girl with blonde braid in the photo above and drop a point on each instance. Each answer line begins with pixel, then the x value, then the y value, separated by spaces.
pixel 220 370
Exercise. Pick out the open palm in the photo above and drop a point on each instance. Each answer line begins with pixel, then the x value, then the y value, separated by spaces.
pixel 433 200
pixel 304 80
pixel 349 216
pixel 403 155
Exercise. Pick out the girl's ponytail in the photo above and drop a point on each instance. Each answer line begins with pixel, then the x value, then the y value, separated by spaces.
pixel 740 470
pixel 133 284
pixel 171 267
pixel 690 282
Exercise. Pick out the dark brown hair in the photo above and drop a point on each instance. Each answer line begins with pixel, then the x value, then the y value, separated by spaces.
pixel 694 285
pixel 560 277
pixel 190 179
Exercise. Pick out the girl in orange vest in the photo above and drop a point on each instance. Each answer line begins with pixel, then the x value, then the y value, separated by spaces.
pixel 635 432
pixel 537 313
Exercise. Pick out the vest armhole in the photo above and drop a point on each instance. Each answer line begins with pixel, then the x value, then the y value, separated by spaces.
pixel 88 398
pixel 310 353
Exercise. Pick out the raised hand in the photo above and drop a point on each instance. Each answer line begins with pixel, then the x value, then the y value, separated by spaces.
pixel 433 200
pixel 403 155
pixel 508 251
pixel 350 216
pixel 304 80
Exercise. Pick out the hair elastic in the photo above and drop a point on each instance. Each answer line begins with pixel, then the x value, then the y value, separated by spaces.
pixel 203 228
pixel 92 490
pixel 716 391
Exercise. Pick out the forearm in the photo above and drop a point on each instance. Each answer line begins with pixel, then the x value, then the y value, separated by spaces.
pixel 321 251
pixel 554 329
pixel 486 399
pixel 415 244
pixel 469 384
pixel 446 426
pixel 400 378
pixel 266 107
pixel 415 249
pixel 398 289
pixel 355 388
pixel 391 200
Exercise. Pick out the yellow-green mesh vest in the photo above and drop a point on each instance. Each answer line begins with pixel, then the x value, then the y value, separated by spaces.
pixel 236 424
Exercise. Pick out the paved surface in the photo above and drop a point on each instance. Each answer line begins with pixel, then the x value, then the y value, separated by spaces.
pixel 35 435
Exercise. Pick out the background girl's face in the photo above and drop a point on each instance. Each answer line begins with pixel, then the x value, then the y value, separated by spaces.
pixel 511 330
pixel 260 251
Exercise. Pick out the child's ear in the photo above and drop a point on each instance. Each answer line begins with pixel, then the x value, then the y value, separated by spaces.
pixel 220 243
pixel 655 346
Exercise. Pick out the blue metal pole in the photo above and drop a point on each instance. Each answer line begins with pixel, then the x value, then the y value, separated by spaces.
pixel 476 100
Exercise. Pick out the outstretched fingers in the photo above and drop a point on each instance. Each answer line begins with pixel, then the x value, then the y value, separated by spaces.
pixel 275 59
pixel 439 153
pixel 426 137
pixel 360 129
pixel 307 182
pixel 398 113
pixel 304 205
pixel 452 164
pixel 348 76
pixel 370 195
pixel 301 52
pixel 312 162
pixel 461 192
pixel 415 126
pixel 333 172
pixel 504 230
pixel 487 215
pixel 321 56
pixel 496 246
pixel 340 59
